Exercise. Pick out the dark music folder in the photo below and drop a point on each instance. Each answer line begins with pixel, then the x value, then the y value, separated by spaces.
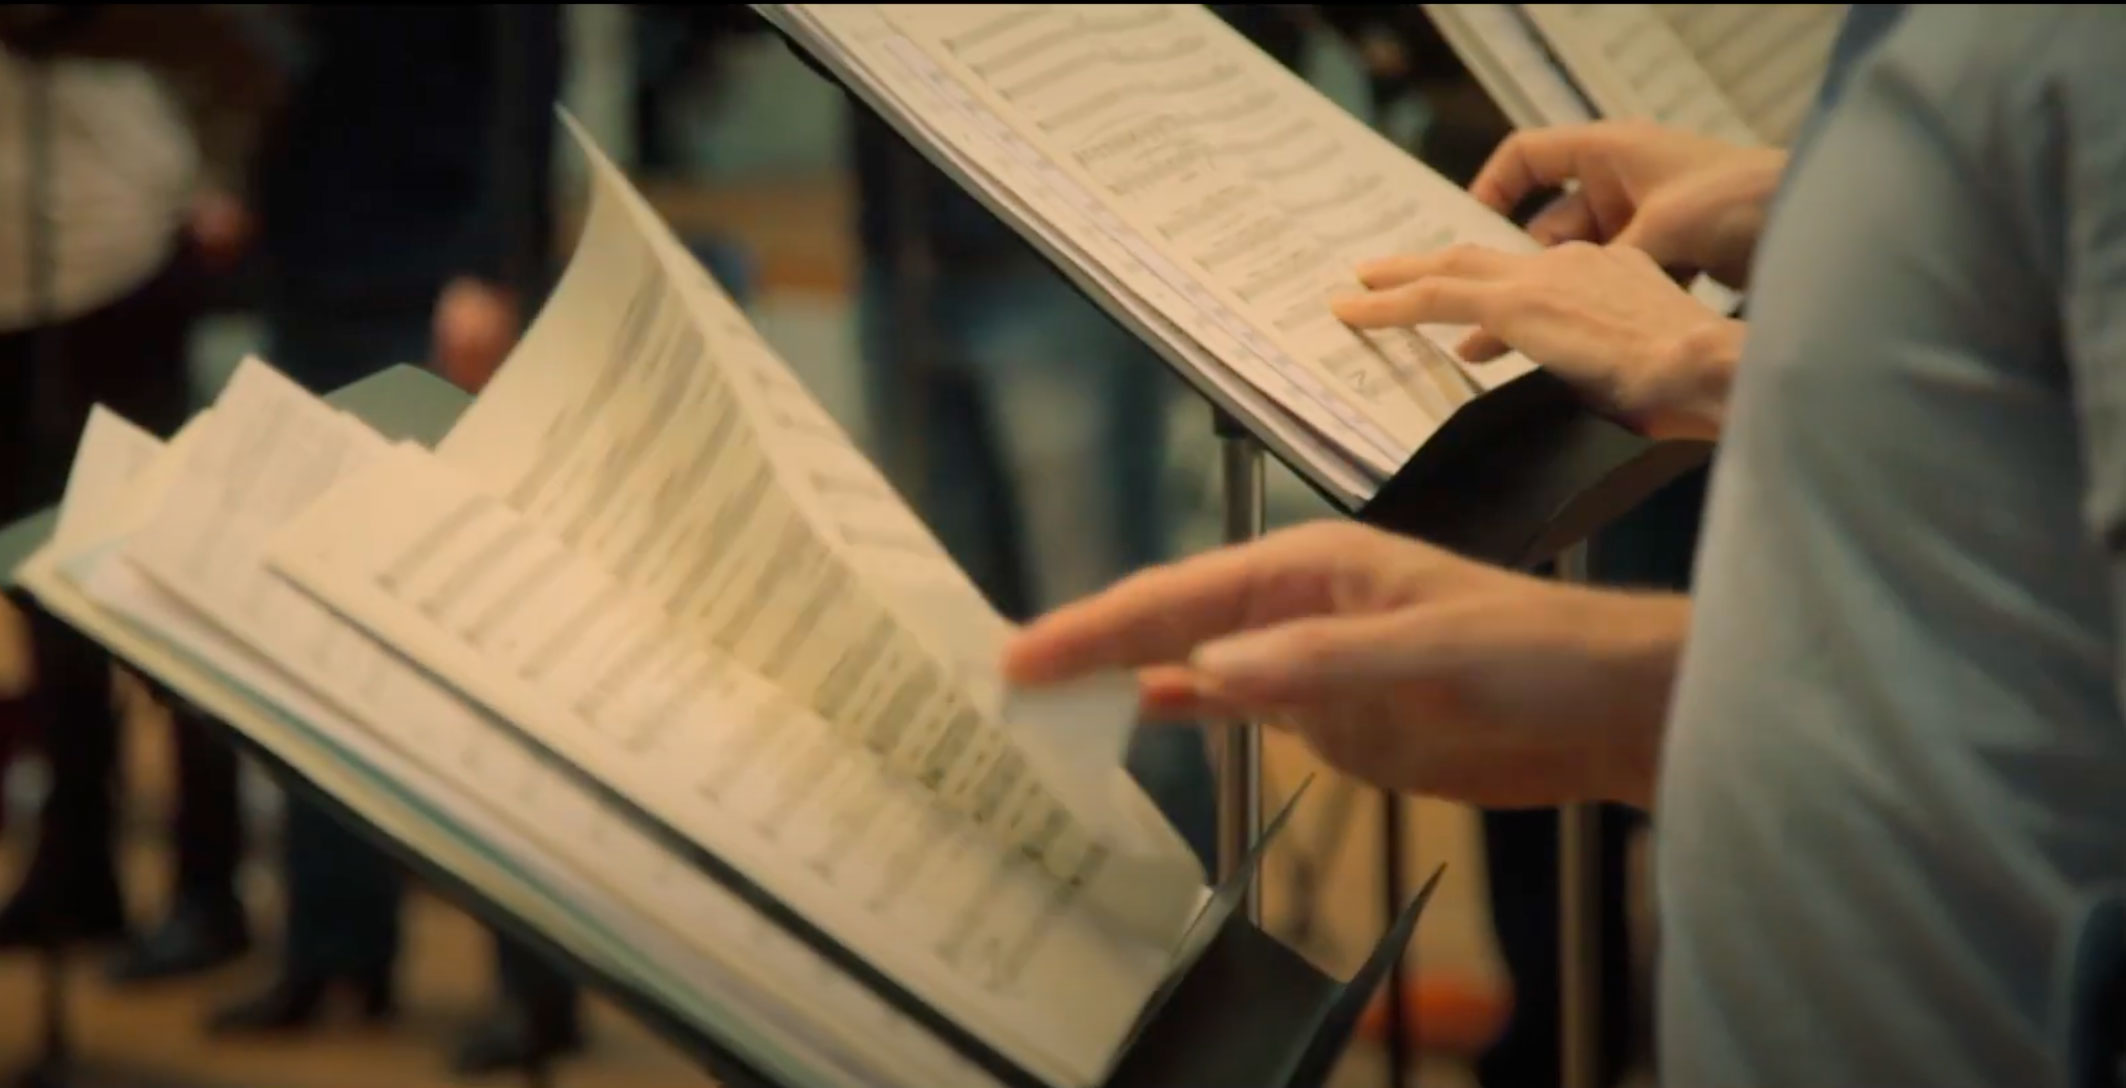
pixel 1245 1011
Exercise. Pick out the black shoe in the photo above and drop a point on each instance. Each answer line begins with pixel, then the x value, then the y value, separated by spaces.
pixel 296 999
pixel 51 909
pixel 514 1038
pixel 202 932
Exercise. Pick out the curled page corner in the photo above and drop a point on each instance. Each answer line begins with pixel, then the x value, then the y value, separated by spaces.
pixel 1076 736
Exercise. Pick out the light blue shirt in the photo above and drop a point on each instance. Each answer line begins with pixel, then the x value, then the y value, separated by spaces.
pixel 1894 792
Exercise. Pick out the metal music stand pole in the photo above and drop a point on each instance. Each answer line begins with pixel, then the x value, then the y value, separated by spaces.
pixel 1239 777
pixel 1579 916
pixel 1396 1035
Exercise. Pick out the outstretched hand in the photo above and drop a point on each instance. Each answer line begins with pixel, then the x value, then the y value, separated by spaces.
pixel 1403 664
pixel 476 324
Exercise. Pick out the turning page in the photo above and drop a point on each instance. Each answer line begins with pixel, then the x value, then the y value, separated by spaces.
pixel 647 427
pixel 208 594
pixel 1201 180
pixel 892 859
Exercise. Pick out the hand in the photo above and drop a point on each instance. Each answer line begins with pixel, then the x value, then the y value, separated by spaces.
pixel 17 669
pixel 1694 204
pixel 476 325
pixel 1608 320
pixel 221 228
pixel 1403 664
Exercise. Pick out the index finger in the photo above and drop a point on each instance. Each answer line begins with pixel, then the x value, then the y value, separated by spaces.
pixel 1160 615
pixel 1535 159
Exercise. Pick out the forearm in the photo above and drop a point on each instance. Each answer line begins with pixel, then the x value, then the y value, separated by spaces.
pixel 1634 647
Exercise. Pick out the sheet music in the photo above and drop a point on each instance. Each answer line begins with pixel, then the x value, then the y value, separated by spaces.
pixel 1225 192
pixel 645 424
pixel 1767 58
pixel 1331 466
pixel 112 454
pixel 1508 58
pixel 852 834
pixel 203 548
pixel 1740 72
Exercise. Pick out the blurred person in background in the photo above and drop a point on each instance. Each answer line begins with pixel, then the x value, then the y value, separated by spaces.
pixel 120 128
pixel 403 216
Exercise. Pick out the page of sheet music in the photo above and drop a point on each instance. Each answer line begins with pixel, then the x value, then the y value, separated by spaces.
pixel 1325 459
pixel 205 544
pixel 1632 65
pixel 1506 55
pixel 846 833
pixel 1203 176
pixel 1076 736
pixel 666 453
pixel 112 454
pixel 1740 72
pixel 1767 58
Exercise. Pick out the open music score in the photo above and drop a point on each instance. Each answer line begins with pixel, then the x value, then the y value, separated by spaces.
pixel 1746 73
pixel 197 579
pixel 1207 195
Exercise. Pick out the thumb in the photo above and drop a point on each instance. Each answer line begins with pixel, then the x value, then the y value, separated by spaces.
pixel 1314 660
pixel 1653 231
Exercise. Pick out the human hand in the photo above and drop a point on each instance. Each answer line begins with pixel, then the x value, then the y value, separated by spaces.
pixel 1692 203
pixel 476 324
pixel 1606 319
pixel 1403 664
pixel 221 227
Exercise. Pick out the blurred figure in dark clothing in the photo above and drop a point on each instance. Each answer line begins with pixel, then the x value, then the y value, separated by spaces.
pixel 404 216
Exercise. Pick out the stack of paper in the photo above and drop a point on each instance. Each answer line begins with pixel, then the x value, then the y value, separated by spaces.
pixel 646 651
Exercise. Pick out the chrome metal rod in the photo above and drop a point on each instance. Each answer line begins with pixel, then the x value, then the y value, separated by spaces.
pixel 1239 778
pixel 1579 918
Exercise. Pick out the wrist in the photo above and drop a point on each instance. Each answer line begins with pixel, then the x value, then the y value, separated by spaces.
pixel 1693 378
pixel 1636 646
